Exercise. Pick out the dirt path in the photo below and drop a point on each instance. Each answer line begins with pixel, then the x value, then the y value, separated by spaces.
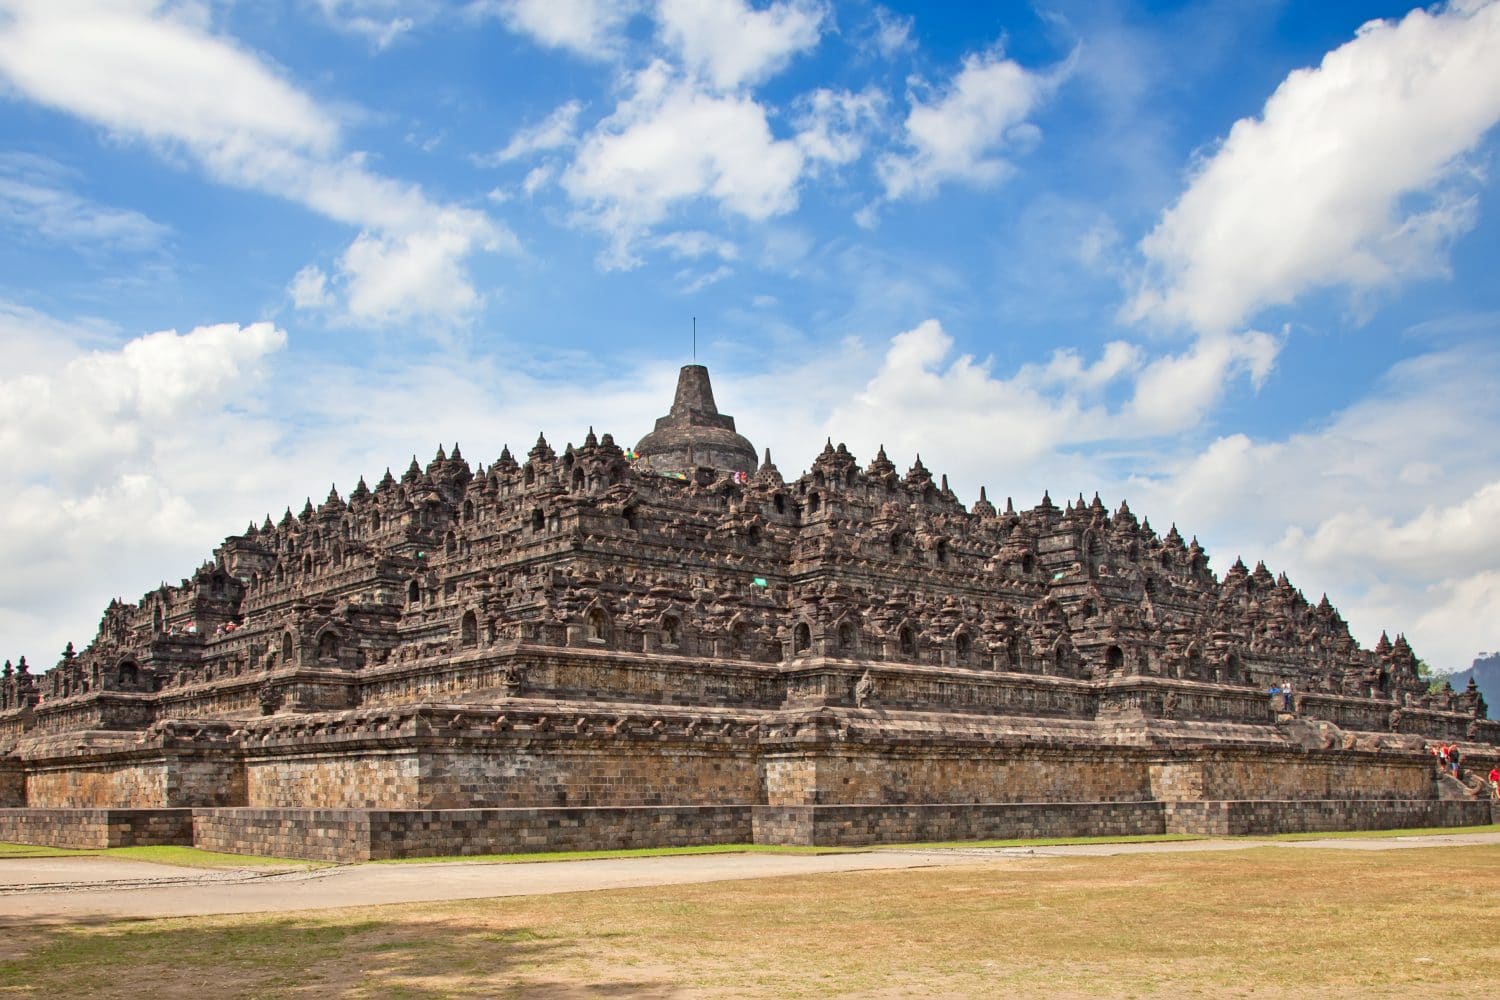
pixel 51 890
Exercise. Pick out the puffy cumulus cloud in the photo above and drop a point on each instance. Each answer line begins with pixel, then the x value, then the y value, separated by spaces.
pixel 1352 175
pixel 155 72
pixel 1390 507
pixel 1174 392
pixel 729 44
pixel 670 143
pixel 589 28
pixel 391 278
pixel 134 459
pixel 833 126
pixel 959 133
pixel 105 455
pixel 104 410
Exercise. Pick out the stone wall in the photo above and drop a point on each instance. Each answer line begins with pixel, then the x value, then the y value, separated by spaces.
pixel 855 825
pixel 92 829
pixel 166 782
pixel 134 784
pixel 12 784
pixel 1261 817
pixel 1327 775
pixel 959 774
pixel 609 774
pixel 341 778
pixel 345 835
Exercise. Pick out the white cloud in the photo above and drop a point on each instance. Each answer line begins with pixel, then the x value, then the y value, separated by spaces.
pixel 380 22
pixel 959 135
pixel 892 34
pixel 695 243
pixel 309 289
pixel 1175 392
pixel 537 178
pixel 669 143
pixel 729 44
pixel 557 130
pixel 1390 506
pixel 155 73
pixel 35 197
pixel 1352 175
pixel 833 126
pixel 589 28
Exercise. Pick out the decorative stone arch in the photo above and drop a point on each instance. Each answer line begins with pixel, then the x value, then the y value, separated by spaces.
pixel 328 644
pixel 940 551
pixel 1193 667
pixel 374 520
pixel 580 481
pixel 898 541
pixel 597 626
pixel 1059 659
pixel 414 592
pixel 814 502
pixel 468 511
pixel 963 647
pixel 1114 661
pixel 156 615
pixel 217 585
pixel 468 629
pixel 671 629
pixel 450 544
pixel 846 634
pixel 307 564
pixel 538 520
pixel 908 643
pixel 741 635
pixel 127 673
pixel 288 649
pixel 1232 668
pixel 778 503
pixel 1028 563
pixel 801 639
pixel 529 476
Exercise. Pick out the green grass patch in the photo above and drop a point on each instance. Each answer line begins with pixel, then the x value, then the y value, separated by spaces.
pixel 630 852
pixel 40 851
pixel 1416 831
pixel 192 857
pixel 1269 922
pixel 1143 838
pixel 185 857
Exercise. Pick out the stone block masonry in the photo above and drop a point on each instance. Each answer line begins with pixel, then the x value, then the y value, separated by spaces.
pixel 674 644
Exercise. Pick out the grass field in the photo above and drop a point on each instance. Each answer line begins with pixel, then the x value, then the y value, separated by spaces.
pixel 1265 922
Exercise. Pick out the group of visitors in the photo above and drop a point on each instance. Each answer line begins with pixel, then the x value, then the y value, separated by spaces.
pixel 1448 758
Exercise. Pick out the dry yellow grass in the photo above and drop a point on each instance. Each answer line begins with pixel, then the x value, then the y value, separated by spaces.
pixel 1268 922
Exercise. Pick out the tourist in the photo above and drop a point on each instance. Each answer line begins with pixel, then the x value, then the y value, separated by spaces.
pixel 1453 756
pixel 1495 781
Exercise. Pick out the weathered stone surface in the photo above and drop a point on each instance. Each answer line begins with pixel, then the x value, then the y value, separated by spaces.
pixel 585 648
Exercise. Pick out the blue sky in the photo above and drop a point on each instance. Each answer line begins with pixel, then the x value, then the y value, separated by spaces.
pixel 1233 262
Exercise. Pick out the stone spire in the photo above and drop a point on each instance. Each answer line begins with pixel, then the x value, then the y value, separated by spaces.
pixel 694 434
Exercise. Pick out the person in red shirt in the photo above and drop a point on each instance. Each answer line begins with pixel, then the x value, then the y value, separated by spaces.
pixel 1495 781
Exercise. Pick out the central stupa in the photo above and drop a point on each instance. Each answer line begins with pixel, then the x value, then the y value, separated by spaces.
pixel 695 439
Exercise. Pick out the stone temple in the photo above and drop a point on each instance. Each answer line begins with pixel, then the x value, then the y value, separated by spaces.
pixel 676 645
